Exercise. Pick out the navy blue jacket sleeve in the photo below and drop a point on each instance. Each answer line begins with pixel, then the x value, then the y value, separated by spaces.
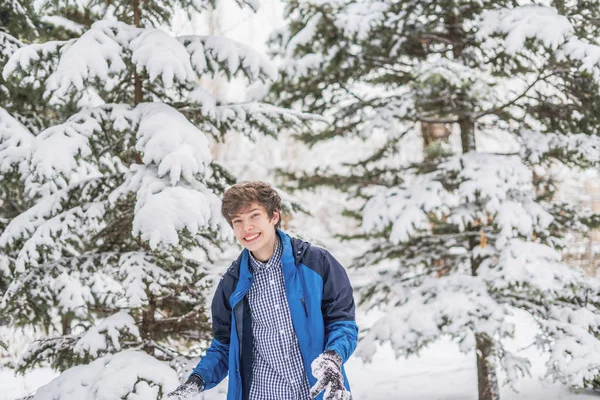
pixel 337 306
pixel 213 367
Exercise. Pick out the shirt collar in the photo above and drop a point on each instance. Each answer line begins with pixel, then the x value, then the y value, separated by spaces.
pixel 259 266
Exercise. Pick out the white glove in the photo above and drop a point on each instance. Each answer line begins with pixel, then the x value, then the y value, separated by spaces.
pixel 327 368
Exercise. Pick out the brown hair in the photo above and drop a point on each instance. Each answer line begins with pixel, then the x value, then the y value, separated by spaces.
pixel 241 195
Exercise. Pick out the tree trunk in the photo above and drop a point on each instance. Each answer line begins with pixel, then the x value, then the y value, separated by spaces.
pixel 66 324
pixel 487 381
pixel 137 21
pixel 467 134
pixel 148 325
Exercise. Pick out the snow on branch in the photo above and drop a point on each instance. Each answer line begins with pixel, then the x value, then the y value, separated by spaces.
pixel 501 184
pixel 526 22
pixel 454 305
pixel 248 118
pixel 530 267
pixel 128 374
pixel 15 142
pixel 167 139
pixel 541 23
pixel 489 177
pixel 352 20
pixel 360 18
pixel 578 148
pixel 139 272
pixel 74 150
pixel 94 340
pixel 59 21
pixel 57 223
pixel 213 53
pixel 163 210
pixel 171 181
pixel 103 51
pixel 406 208
pixel 72 284
pixel 24 59
pixel 8 45
pixel 571 335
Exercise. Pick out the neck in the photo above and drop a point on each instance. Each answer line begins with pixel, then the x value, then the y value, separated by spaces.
pixel 266 252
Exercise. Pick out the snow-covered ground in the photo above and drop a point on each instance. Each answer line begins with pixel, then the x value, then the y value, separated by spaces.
pixel 440 372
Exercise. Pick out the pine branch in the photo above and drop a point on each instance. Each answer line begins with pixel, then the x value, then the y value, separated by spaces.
pixel 540 78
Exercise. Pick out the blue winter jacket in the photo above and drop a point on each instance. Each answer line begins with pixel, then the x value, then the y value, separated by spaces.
pixel 321 306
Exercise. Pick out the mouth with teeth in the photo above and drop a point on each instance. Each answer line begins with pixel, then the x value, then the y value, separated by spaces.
pixel 252 238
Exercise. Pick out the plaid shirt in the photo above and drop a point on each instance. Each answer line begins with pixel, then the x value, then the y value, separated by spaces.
pixel 277 367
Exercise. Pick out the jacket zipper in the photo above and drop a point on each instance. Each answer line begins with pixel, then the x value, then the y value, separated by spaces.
pixel 239 297
pixel 304 306
pixel 304 293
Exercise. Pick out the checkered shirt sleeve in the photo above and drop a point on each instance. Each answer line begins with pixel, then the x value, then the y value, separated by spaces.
pixel 277 367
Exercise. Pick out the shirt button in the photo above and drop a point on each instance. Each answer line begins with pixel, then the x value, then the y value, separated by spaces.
pixel 281 331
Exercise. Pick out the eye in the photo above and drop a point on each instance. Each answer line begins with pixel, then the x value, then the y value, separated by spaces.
pixel 237 221
pixel 255 215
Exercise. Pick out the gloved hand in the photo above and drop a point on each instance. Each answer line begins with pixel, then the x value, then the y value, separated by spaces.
pixel 327 368
pixel 189 390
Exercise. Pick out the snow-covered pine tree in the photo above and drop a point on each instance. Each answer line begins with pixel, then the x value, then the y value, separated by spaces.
pixel 467 234
pixel 15 26
pixel 22 23
pixel 24 111
pixel 115 254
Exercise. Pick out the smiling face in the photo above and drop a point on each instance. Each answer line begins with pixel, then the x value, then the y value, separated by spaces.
pixel 256 231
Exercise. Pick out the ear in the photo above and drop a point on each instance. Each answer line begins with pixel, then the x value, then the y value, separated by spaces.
pixel 276 216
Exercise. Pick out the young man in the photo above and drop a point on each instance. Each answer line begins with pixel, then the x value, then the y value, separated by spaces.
pixel 283 313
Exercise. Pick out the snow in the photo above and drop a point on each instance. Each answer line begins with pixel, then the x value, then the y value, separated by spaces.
pixel 16 386
pixel 8 45
pixel 166 138
pixel 171 196
pixel 157 52
pixel 102 52
pixel 112 377
pixel 487 178
pixel 208 52
pixel 407 208
pixel 15 142
pixel 161 210
pixel 521 23
pixel 94 340
pixel 62 22
pixel 541 23
pixel 450 305
pixel 439 372
pixel 533 264
pixel 535 145
pixel 360 18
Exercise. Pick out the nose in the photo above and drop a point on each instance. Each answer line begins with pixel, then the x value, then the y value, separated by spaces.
pixel 248 227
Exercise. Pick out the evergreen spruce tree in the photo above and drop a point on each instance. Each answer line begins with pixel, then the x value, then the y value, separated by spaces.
pixel 116 253
pixel 24 111
pixel 467 233
pixel 15 26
